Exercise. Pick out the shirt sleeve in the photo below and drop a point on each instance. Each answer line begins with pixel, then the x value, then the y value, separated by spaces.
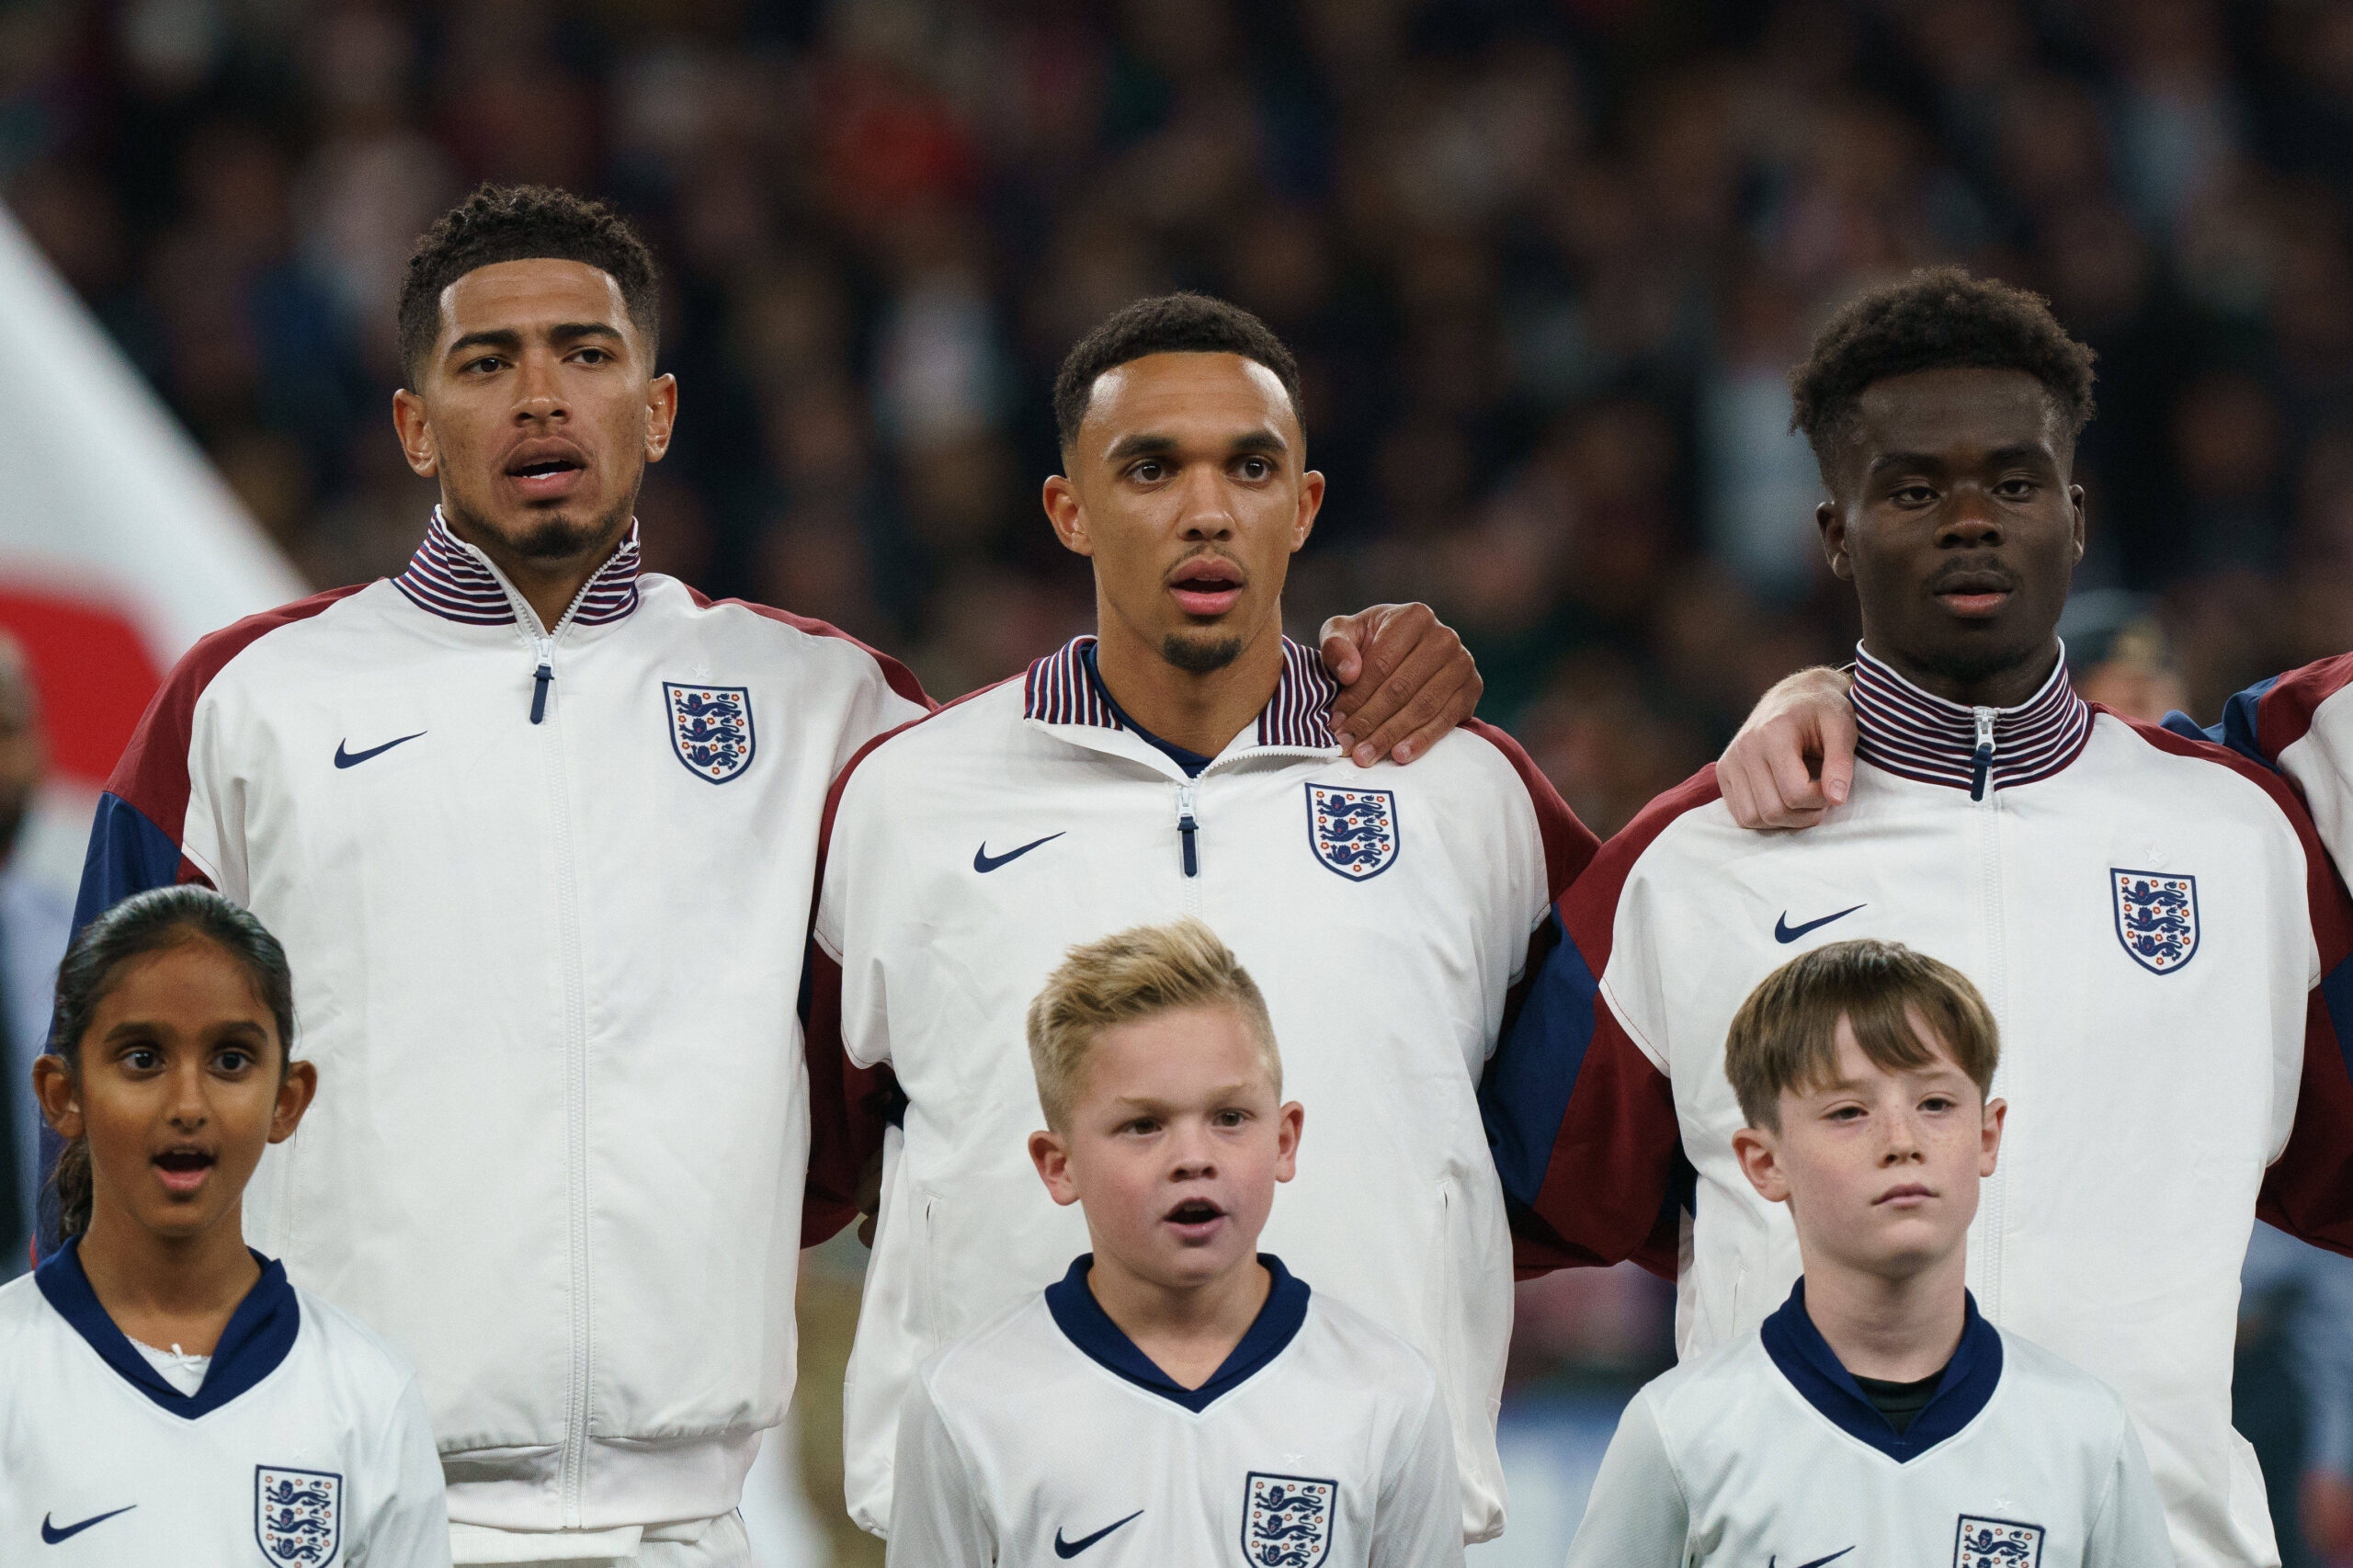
pixel 409 1525
pixel 1579 1115
pixel 1636 1515
pixel 939 1518
pixel 2129 1530
pixel 1418 1520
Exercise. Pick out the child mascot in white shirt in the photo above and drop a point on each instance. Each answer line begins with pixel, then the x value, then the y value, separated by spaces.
pixel 165 1395
pixel 1178 1396
pixel 1876 1413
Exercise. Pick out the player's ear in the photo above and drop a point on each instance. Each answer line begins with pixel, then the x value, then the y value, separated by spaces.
pixel 1052 1156
pixel 1990 1146
pixel 1311 501
pixel 1832 524
pixel 53 1088
pixel 661 413
pixel 1289 1122
pixel 415 432
pixel 1068 516
pixel 296 1090
pixel 1760 1162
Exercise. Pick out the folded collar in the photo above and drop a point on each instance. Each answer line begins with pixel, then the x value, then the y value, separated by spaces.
pixel 450 578
pixel 1917 734
pixel 1298 717
pixel 1814 1370
pixel 260 1333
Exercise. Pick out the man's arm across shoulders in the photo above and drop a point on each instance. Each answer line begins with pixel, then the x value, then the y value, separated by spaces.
pixel 1579 1113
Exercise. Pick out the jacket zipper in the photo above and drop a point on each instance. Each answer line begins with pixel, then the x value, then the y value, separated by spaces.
pixel 1988 1255
pixel 573 1460
pixel 1187 828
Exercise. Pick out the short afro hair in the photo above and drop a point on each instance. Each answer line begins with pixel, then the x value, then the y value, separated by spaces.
pixel 1938 318
pixel 1167 324
pixel 522 223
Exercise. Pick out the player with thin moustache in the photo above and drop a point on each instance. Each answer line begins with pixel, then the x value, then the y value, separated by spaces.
pixel 1178 761
pixel 2112 888
pixel 541 832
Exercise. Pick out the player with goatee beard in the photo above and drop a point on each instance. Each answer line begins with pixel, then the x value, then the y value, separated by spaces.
pixel 540 832
pixel 2151 918
pixel 1180 761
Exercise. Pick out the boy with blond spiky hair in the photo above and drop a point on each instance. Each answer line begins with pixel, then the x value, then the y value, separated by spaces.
pixel 1178 1392
pixel 1876 1413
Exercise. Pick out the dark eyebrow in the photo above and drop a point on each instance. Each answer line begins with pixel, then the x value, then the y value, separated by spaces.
pixel 508 339
pixel 1148 445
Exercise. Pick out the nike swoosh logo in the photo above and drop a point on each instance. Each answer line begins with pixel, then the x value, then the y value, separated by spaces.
pixel 1834 1556
pixel 354 759
pixel 984 861
pixel 52 1534
pixel 1785 932
pixel 1073 1548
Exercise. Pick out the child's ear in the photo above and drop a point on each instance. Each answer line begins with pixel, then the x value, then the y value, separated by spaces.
pixel 1289 1123
pixel 53 1089
pixel 1989 1147
pixel 1760 1162
pixel 1052 1156
pixel 295 1093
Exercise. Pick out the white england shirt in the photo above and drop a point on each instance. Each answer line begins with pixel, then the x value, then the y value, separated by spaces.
pixel 1767 1448
pixel 1047 1436
pixel 305 1447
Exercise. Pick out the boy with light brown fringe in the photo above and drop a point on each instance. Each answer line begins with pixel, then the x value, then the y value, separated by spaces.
pixel 1876 1413
pixel 1178 1392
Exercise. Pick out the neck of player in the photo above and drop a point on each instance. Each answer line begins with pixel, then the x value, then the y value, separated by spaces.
pixel 548 583
pixel 1187 1330
pixel 1200 710
pixel 1887 1323
pixel 165 1290
pixel 1970 687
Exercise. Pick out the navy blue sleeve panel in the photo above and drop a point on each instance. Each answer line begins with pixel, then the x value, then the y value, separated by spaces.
pixel 2182 724
pixel 1582 1124
pixel 127 854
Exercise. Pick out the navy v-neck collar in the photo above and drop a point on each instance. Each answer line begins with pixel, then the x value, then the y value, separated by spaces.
pixel 1813 1370
pixel 260 1333
pixel 1085 1323
pixel 1192 761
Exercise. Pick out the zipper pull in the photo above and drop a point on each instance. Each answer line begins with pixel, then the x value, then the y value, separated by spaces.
pixel 542 678
pixel 1187 828
pixel 1981 763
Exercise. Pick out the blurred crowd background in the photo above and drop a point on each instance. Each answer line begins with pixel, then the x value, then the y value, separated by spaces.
pixel 1545 263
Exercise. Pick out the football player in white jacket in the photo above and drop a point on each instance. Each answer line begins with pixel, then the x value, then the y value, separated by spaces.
pixel 539 831
pixel 165 1396
pixel 1877 1411
pixel 1178 1392
pixel 2117 890
pixel 1179 762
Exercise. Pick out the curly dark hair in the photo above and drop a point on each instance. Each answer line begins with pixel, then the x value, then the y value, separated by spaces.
pixel 1167 324
pixel 522 223
pixel 1939 318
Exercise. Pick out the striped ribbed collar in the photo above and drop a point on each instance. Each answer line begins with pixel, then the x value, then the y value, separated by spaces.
pixel 455 580
pixel 1057 691
pixel 1919 735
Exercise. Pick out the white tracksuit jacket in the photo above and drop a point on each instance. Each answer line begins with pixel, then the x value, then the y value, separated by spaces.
pixel 1385 912
pixel 546 940
pixel 2162 941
